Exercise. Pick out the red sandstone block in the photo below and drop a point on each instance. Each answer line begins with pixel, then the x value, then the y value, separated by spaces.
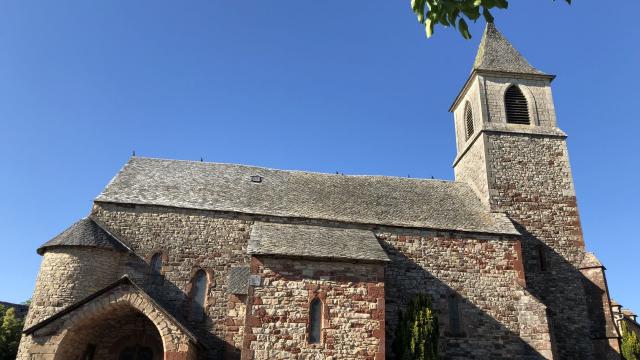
pixel 375 291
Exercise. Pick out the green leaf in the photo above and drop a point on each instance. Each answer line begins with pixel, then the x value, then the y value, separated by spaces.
pixel 502 4
pixel 487 15
pixel 418 8
pixel 464 29
pixel 428 26
pixel 472 13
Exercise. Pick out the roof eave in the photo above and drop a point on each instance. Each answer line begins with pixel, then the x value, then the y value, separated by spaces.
pixel 322 258
pixel 512 232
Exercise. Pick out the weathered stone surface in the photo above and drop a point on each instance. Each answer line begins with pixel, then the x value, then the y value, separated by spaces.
pixel 483 273
pixel 524 171
pixel 353 309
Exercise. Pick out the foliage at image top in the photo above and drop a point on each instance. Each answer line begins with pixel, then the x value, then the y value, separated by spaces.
pixel 453 13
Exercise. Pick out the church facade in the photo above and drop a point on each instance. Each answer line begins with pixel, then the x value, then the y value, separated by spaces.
pixel 195 260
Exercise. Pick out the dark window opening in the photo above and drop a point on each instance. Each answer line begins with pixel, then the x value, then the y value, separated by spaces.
pixel 454 316
pixel 90 352
pixel 468 119
pixel 542 261
pixel 516 106
pixel 315 321
pixel 136 353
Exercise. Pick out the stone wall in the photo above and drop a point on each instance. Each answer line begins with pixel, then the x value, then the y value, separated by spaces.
pixel 482 273
pixel 473 96
pixel 530 179
pixel 603 327
pixel 471 168
pixel 353 316
pixel 68 275
pixel 190 240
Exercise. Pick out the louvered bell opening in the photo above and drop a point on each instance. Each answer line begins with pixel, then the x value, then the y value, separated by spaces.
pixel 468 118
pixel 517 107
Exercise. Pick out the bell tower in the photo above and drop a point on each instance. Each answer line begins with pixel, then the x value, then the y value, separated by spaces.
pixel 511 151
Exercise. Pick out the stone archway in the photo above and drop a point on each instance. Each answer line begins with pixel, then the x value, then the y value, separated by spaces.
pixel 120 318
pixel 121 333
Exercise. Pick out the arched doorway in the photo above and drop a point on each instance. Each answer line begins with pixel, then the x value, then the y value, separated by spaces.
pixel 120 333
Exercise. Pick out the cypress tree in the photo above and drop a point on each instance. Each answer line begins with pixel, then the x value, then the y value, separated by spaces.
pixel 630 343
pixel 417 332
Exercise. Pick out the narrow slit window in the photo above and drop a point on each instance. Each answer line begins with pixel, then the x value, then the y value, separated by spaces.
pixel 315 321
pixel 454 316
pixel 542 261
pixel 198 295
pixel 516 106
pixel 468 120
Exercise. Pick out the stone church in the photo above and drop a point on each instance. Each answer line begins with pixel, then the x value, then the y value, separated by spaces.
pixel 198 260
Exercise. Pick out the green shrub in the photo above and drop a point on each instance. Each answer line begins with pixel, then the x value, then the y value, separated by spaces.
pixel 630 343
pixel 417 332
pixel 10 331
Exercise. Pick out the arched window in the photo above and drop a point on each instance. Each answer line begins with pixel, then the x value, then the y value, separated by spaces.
pixel 156 263
pixel 315 321
pixel 468 119
pixel 516 106
pixel 454 316
pixel 198 294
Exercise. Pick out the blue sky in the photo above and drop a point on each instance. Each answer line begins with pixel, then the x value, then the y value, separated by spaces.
pixel 323 86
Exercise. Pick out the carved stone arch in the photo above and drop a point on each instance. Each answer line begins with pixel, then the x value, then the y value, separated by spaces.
pixel 165 259
pixel 101 319
pixel 190 310
pixel 531 102
pixel 211 281
pixel 121 301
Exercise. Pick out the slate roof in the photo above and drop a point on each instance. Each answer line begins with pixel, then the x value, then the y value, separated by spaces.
pixel 314 241
pixel 238 280
pixel 85 232
pixel 496 53
pixel 381 200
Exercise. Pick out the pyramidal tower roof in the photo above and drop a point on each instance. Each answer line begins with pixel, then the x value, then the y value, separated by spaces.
pixel 496 53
